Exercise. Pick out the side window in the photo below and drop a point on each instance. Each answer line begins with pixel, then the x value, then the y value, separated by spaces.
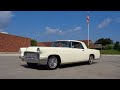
pixel 81 46
pixel 77 45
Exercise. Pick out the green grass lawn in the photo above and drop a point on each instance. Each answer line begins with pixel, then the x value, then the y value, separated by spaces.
pixel 110 52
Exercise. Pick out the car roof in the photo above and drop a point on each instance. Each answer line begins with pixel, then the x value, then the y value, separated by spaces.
pixel 70 40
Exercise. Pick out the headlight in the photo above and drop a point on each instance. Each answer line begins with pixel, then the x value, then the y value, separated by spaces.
pixel 20 51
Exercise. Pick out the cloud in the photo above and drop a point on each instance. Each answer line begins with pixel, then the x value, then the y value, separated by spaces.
pixel 61 32
pixel 105 23
pixel 77 29
pixel 4 32
pixel 53 30
pixel 88 11
pixel 5 18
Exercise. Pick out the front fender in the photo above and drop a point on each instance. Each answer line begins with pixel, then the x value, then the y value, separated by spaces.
pixel 47 54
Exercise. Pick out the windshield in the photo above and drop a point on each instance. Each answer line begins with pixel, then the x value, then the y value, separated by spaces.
pixel 61 44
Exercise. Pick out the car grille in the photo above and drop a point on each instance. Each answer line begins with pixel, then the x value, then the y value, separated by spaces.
pixel 31 55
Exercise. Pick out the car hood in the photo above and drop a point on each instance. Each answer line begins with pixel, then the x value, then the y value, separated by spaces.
pixel 34 49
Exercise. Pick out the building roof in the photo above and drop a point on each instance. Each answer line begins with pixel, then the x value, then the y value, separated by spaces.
pixel 1 33
pixel 86 41
pixel 48 44
pixel 91 44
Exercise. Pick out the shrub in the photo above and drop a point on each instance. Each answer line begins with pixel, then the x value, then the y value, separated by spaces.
pixel 33 42
pixel 108 47
pixel 117 45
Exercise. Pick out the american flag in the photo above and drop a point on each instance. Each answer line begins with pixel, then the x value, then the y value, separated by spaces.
pixel 88 19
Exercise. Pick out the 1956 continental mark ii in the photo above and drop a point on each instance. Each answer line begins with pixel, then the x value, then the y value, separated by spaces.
pixel 61 52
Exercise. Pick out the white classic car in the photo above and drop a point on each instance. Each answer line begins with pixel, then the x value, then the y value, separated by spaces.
pixel 61 52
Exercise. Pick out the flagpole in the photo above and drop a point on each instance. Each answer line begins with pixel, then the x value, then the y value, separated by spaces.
pixel 88 20
pixel 88 35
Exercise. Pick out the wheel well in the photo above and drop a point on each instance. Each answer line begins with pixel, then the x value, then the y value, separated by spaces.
pixel 58 57
pixel 92 55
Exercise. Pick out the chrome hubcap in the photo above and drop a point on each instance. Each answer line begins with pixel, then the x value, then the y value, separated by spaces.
pixel 52 62
pixel 91 60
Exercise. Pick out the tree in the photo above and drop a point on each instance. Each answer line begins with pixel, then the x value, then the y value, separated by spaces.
pixel 109 47
pixel 117 45
pixel 33 42
pixel 104 41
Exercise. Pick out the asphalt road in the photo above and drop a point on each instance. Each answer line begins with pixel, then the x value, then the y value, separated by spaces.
pixel 108 67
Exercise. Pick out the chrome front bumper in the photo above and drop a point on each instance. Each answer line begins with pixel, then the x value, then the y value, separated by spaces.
pixel 98 58
pixel 22 58
pixel 42 60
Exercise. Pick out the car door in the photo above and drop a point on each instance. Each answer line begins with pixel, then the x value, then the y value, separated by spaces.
pixel 79 52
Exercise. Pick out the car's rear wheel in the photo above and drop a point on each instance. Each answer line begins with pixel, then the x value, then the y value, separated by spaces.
pixel 52 63
pixel 32 64
pixel 91 58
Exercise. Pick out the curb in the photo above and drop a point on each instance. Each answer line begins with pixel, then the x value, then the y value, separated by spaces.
pixel 110 55
pixel 9 54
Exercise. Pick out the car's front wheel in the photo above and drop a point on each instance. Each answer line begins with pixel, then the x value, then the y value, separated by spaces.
pixel 52 63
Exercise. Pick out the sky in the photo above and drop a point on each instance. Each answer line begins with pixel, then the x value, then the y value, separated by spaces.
pixel 58 25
